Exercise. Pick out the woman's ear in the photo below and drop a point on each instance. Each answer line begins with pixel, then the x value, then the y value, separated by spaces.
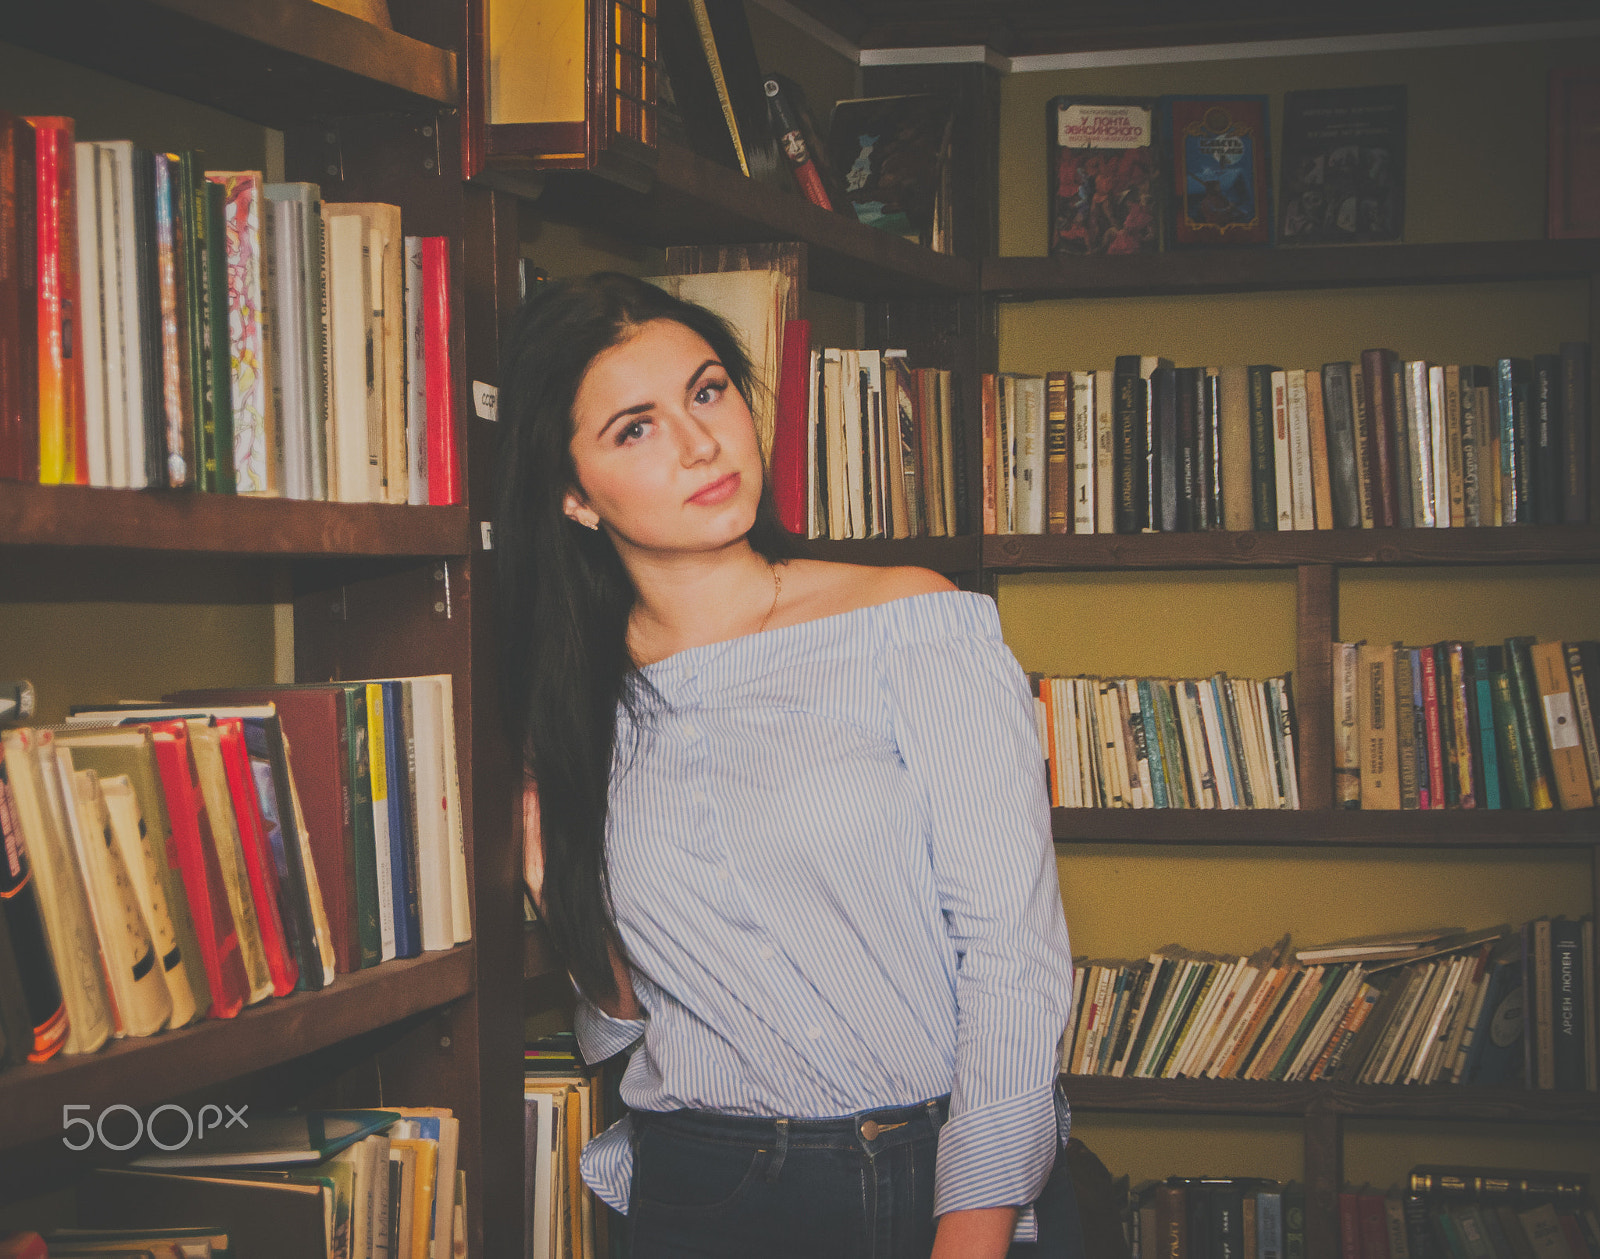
pixel 580 512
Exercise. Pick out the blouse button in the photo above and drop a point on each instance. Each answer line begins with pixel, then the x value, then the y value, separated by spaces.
pixel 690 732
pixel 699 797
pixel 766 952
pixel 815 1033
pixel 722 876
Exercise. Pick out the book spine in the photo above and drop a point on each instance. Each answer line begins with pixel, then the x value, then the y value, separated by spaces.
pixel 1346 734
pixel 60 373
pixel 1263 478
pixel 1545 388
pixel 1380 400
pixel 1301 474
pixel 991 453
pixel 1419 444
pixel 1058 430
pixel 1569 769
pixel 23 923
pixel 1525 694
pixel 1472 451
pixel 1163 399
pixel 1510 381
pixel 1406 730
pixel 1583 708
pixel 1455 441
pixel 1488 758
pixel 1234 449
pixel 1131 450
pixel 219 357
pixel 789 435
pixel 1515 763
pixel 1083 453
pixel 19 303
pixel 1575 404
pixel 1192 485
pixel 1283 465
pixel 1568 996
pixel 1431 713
pixel 444 457
pixel 1463 743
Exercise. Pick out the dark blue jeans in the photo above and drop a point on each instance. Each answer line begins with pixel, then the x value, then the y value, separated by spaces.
pixel 860 1187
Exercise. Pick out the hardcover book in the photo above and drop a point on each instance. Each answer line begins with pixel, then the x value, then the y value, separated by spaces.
pixel 891 152
pixel 1574 153
pixel 1217 148
pixel 1344 166
pixel 1104 175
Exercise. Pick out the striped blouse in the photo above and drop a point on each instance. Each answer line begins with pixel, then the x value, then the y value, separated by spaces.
pixel 831 863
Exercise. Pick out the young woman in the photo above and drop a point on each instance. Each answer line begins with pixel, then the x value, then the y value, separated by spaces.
pixel 786 824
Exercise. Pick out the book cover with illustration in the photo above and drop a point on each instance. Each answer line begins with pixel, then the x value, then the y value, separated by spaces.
pixel 1104 175
pixel 890 152
pixel 1217 149
pixel 1344 166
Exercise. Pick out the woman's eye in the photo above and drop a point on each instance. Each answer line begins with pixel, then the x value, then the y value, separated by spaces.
pixel 631 433
pixel 709 392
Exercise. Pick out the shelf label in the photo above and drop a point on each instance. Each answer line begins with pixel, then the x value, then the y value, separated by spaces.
pixel 485 400
pixel 486 529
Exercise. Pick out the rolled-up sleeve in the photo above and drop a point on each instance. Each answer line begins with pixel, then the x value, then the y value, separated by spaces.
pixel 963 720
pixel 599 1035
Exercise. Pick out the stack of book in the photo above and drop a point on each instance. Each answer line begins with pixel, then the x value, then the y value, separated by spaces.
pixel 347 1184
pixel 565 1104
pixel 1160 743
pixel 1455 725
pixel 1471 1213
pixel 1408 1008
pixel 173 864
pixel 1216 1217
pixel 1380 443
pixel 881 444
pixel 162 325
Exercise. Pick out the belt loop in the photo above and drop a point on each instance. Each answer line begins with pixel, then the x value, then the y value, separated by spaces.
pixel 937 1111
pixel 776 1166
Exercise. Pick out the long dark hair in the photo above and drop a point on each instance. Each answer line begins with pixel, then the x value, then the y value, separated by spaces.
pixel 564 595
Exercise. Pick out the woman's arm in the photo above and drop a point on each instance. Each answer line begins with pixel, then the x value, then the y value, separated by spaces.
pixel 983 1233
pixel 626 1004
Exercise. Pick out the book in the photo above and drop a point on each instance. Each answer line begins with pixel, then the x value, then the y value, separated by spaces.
pixel 1217 151
pixel 264 1218
pixel 1574 173
pixel 258 451
pixel 299 365
pixel 1344 165
pixel 1559 713
pixel 63 447
pixel 1104 175
pixel 19 302
pixel 1379 743
pixel 891 152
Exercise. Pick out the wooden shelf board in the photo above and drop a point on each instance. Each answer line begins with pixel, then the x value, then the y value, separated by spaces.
pixel 943 555
pixel 695 201
pixel 1255 270
pixel 1263 1098
pixel 1436 828
pixel 276 62
pixel 143 1071
pixel 1519 544
pixel 223 524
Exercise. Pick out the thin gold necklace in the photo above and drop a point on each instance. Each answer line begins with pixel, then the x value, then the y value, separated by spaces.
pixel 777 589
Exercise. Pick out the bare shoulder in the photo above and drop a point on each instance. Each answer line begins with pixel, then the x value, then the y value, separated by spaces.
pixel 818 588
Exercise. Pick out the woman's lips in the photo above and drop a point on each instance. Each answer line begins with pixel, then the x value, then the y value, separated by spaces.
pixel 719 491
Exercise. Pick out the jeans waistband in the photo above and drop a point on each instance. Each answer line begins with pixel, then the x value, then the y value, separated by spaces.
pixel 871 1128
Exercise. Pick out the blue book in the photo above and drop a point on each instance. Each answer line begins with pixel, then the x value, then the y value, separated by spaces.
pixel 1419 723
pixel 1152 740
pixel 1488 749
pixel 402 828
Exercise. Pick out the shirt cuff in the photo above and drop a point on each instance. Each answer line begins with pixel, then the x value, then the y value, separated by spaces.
pixel 997 1155
pixel 599 1035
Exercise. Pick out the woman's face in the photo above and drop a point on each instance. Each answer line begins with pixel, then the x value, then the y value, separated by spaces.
pixel 663 444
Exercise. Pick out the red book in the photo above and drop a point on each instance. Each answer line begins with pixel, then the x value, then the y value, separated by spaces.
pixel 63 444
pixel 202 872
pixel 1350 1225
pixel 991 471
pixel 1378 380
pixel 1430 721
pixel 1374 1226
pixel 789 427
pixel 313 728
pixel 265 888
pixel 444 455
pixel 19 304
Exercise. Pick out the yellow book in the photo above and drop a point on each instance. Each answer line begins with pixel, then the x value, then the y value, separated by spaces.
pixel 427 1152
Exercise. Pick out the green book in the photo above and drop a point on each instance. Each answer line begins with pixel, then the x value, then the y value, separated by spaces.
pixel 1530 718
pixel 1508 733
pixel 1263 477
pixel 194 220
pixel 369 929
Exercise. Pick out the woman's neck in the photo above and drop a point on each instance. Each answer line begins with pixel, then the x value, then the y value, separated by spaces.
pixel 690 601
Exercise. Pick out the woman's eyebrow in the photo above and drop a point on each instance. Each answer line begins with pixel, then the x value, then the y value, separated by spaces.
pixel 638 408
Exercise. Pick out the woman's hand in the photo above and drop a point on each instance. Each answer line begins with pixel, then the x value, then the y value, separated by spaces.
pixel 980 1234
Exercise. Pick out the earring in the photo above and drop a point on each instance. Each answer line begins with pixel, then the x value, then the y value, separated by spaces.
pixel 587 524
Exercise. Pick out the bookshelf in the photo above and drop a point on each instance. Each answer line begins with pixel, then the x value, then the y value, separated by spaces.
pixel 371 590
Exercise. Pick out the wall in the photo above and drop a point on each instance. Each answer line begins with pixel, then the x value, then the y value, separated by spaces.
pixel 1475 171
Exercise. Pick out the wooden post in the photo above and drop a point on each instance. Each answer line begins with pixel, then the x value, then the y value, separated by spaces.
pixel 1324 1173
pixel 1316 622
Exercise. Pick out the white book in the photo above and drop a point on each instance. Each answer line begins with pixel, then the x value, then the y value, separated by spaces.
pixel 348 281
pixel 1332 1015
pixel 1243 984
pixel 855 443
pixel 90 347
pixel 416 379
pixel 1005 430
pixel 1282 452
pixel 1083 455
pixel 129 341
pixel 291 376
pixel 944 394
pixel 114 381
pixel 1030 455
pixel 377 758
pixel 833 377
pixel 1440 446
pixel 1419 445
pixel 1216 740
pixel 1201 1020
pixel 1105 508
pixel 1300 449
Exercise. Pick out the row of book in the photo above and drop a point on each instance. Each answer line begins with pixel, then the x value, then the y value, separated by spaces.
pixel 347 1184
pixel 881 449
pixel 565 1105
pixel 166 326
pixel 167 865
pixel 1471 1213
pixel 1412 1008
pixel 1160 743
pixel 1441 1212
pixel 1383 442
pixel 1456 725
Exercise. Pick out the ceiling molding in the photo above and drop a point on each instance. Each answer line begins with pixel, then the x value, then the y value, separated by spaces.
pixel 954 55
pixel 808 25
